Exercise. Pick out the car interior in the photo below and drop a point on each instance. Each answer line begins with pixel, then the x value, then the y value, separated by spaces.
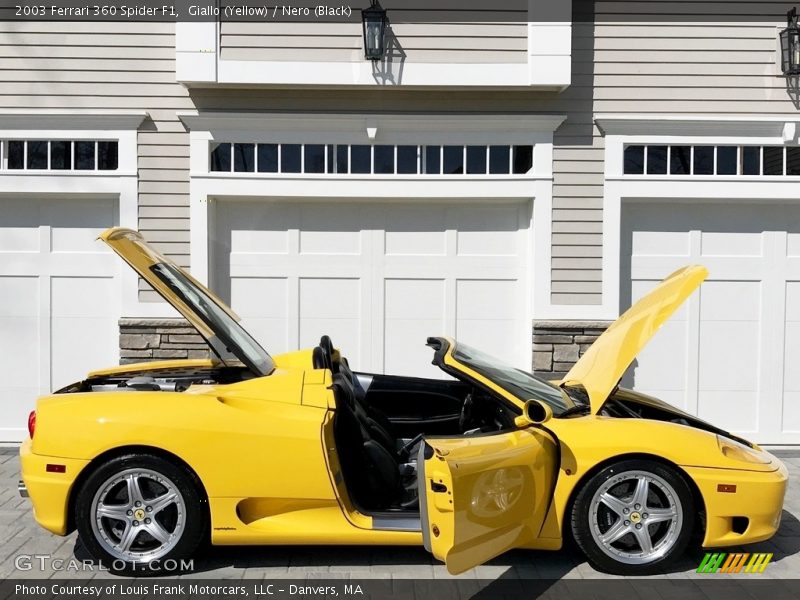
pixel 380 421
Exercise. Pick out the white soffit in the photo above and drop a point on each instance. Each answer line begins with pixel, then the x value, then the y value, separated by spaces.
pixel 252 121
pixel 71 119
pixel 691 125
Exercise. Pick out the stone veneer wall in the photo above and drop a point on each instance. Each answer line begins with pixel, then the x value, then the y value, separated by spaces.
pixel 557 345
pixel 159 339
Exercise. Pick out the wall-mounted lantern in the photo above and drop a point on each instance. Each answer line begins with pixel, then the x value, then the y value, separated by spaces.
pixel 374 22
pixel 790 45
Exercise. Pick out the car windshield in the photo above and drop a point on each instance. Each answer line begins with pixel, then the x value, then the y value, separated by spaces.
pixel 232 335
pixel 523 385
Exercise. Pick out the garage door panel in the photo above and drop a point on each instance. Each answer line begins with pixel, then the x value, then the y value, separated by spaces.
pixel 729 355
pixel 715 243
pixel 738 350
pixel 791 411
pixel 660 243
pixel 730 301
pixel 264 303
pixel 415 230
pixel 485 231
pixel 413 310
pixel 19 339
pixel 75 225
pixel 730 410
pixel 662 363
pixel 331 306
pixel 380 278
pixel 73 352
pixel 482 316
pixel 58 299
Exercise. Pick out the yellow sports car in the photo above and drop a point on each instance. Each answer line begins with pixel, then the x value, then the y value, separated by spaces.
pixel 149 460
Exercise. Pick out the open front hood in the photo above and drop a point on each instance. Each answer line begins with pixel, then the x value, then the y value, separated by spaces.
pixel 599 370
pixel 212 318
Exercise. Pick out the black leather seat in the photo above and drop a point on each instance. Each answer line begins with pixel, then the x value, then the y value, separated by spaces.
pixel 370 470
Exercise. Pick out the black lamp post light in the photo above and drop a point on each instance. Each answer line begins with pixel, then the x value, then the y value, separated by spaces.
pixel 373 20
pixel 790 45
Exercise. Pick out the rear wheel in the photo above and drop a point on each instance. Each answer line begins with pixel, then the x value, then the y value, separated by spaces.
pixel 633 517
pixel 138 511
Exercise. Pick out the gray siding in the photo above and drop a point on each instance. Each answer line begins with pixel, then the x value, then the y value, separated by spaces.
pixel 669 65
pixel 112 65
pixel 414 42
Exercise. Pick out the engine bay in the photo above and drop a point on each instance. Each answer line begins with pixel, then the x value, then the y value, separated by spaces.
pixel 158 379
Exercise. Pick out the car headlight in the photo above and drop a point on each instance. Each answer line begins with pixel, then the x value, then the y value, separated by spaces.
pixel 736 451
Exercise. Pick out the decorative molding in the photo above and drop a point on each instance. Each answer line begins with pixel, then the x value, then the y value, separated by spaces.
pixel 388 122
pixel 691 125
pixel 71 119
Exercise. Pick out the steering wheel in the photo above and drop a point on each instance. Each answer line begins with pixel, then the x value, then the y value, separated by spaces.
pixel 465 418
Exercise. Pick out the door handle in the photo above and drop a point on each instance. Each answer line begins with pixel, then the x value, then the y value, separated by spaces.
pixel 439 488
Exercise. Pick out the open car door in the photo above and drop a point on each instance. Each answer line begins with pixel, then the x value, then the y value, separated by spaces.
pixel 483 495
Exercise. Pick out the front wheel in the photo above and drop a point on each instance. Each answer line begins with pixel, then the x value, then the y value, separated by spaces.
pixel 633 517
pixel 138 511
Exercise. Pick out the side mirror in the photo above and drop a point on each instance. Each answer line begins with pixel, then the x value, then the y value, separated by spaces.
pixel 534 412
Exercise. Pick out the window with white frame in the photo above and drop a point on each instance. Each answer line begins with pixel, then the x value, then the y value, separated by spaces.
pixel 366 159
pixel 663 159
pixel 59 155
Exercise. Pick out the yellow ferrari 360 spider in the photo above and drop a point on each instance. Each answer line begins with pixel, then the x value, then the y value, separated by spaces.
pixel 149 460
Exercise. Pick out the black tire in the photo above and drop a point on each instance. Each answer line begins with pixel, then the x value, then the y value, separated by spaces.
pixel 194 511
pixel 667 492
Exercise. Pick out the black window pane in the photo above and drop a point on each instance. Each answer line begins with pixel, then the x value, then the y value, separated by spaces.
pixel 290 158
pixel 704 160
pixel 244 158
pixel 384 159
pixel 656 160
pixel 476 160
pixel 633 163
pixel 360 159
pixel 407 160
pixel 61 155
pixel 16 154
pixel 453 160
pixel 773 160
pixel 342 160
pixel 499 160
pixel 314 155
pixel 793 160
pixel 433 159
pixel 523 159
pixel 330 158
pixel 84 156
pixel 37 155
pixel 107 156
pixel 220 157
pixel 679 160
pixel 726 160
pixel 751 160
pixel 267 158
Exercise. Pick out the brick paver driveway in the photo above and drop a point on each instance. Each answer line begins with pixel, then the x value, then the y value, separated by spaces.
pixel 22 537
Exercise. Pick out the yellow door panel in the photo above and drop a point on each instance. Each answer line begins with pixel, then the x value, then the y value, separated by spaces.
pixel 483 495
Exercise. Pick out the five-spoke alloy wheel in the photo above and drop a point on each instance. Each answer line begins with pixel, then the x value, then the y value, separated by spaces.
pixel 633 517
pixel 136 511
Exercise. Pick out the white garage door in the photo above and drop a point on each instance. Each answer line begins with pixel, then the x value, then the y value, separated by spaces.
pixel 378 278
pixel 58 300
pixel 731 354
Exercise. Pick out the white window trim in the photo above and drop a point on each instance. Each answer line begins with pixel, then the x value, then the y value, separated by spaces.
pixel 121 184
pixel 548 65
pixel 677 130
pixel 536 186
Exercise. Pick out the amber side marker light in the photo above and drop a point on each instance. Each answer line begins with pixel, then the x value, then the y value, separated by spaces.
pixel 52 468
pixel 726 488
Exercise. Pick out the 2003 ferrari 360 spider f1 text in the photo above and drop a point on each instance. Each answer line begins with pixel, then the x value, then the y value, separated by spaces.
pixel 149 460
